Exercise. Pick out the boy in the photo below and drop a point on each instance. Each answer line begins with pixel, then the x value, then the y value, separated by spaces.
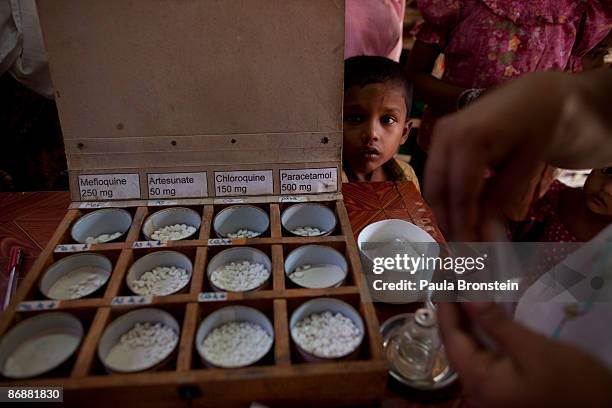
pixel 377 98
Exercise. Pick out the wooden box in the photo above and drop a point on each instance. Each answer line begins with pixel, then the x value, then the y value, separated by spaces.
pixel 161 103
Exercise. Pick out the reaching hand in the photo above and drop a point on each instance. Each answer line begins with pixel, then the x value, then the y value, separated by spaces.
pixel 526 370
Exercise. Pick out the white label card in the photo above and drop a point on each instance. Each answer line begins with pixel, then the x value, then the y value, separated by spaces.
pixel 131 300
pixel 94 205
pixel 293 199
pixel 212 296
pixel 241 183
pixel 307 181
pixel 37 305
pixel 72 248
pixel 98 187
pixel 220 241
pixel 149 244
pixel 171 185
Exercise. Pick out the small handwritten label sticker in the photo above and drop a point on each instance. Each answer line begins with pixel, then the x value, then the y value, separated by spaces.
pixel 220 241
pixel 212 296
pixel 292 199
pixel 131 300
pixel 72 248
pixel 93 205
pixel 36 305
pixel 149 244
pixel 161 203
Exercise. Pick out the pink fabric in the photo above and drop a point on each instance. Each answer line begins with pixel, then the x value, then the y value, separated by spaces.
pixel 374 27
pixel 487 42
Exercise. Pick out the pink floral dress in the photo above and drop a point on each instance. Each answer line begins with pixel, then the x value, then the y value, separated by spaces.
pixel 487 42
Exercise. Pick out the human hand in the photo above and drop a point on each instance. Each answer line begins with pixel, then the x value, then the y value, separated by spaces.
pixel 551 117
pixel 526 370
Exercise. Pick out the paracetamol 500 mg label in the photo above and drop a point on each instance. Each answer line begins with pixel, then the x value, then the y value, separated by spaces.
pixel 307 181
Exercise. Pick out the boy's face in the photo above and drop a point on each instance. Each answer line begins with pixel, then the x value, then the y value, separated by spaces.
pixel 375 125
pixel 598 191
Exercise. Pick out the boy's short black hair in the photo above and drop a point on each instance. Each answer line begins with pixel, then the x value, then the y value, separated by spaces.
pixel 365 70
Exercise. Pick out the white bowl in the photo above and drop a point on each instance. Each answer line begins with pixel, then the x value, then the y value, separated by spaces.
pixel 155 259
pixel 64 266
pixel 236 217
pixel 227 315
pixel 316 255
pixel 47 340
pixel 124 323
pixel 171 216
pixel 104 221
pixel 238 254
pixel 321 305
pixel 311 215
pixel 380 238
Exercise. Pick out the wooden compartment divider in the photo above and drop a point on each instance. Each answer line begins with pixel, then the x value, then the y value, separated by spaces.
pixel 281 380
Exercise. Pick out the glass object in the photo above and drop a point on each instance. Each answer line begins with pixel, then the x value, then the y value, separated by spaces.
pixel 415 347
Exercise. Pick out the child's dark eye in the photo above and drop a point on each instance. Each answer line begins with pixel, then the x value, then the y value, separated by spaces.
pixel 388 120
pixel 607 171
pixel 353 118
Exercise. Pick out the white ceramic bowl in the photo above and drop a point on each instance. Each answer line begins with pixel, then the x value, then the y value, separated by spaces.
pixel 104 221
pixel 236 217
pixel 238 254
pixel 155 259
pixel 384 232
pixel 64 266
pixel 309 214
pixel 227 315
pixel 313 255
pixel 46 341
pixel 321 305
pixel 123 324
pixel 171 216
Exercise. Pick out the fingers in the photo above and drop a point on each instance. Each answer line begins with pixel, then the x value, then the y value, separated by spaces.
pixel 466 188
pixel 511 337
pixel 462 350
pixel 436 175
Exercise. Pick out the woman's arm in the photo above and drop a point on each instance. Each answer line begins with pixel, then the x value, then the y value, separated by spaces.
pixel 440 95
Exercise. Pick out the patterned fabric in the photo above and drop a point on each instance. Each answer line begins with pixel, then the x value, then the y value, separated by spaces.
pixel 396 170
pixel 487 42
pixel 546 212
pixel 374 27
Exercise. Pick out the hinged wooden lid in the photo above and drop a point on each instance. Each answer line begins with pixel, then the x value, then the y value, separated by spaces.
pixel 150 87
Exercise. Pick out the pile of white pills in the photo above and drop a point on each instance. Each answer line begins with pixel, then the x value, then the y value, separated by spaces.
pixel 102 238
pixel 243 233
pixel 306 231
pixel 240 276
pixel 77 283
pixel 173 232
pixel 326 335
pixel 141 347
pixel 236 344
pixel 161 281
